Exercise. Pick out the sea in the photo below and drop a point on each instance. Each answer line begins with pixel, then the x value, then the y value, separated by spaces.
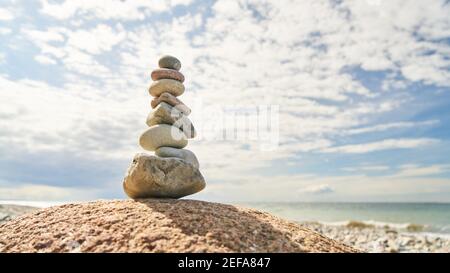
pixel 431 217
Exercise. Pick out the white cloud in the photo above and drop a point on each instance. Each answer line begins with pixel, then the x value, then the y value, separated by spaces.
pixel 381 145
pixel 56 121
pixel 52 34
pixel 36 192
pixel 349 188
pixel 115 9
pixel 316 189
pixel 77 49
pixel 297 55
pixel 5 31
pixel 96 40
pixel 390 126
pixel 370 168
pixel 6 15
pixel 420 171
pixel 44 59
pixel 181 2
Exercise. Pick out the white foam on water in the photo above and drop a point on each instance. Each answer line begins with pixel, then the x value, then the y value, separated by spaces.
pixel 390 225
pixel 378 224
pixel 435 235
pixel 429 231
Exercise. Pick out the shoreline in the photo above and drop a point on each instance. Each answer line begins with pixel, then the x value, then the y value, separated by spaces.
pixel 377 239
pixel 10 211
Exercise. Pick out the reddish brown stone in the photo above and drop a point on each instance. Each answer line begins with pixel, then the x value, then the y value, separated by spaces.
pixel 164 73
pixel 172 100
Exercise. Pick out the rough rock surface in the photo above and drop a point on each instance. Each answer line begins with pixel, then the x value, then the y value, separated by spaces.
pixel 150 176
pixel 154 225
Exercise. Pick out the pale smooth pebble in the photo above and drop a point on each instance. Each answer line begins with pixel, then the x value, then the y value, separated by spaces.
pixel 162 135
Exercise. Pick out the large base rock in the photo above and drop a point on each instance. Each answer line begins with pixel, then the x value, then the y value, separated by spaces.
pixel 154 177
pixel 163 225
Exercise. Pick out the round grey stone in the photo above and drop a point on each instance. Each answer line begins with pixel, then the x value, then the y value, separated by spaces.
pixel 170 62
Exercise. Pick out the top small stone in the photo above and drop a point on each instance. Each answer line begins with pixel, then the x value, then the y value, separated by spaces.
pixel 169 62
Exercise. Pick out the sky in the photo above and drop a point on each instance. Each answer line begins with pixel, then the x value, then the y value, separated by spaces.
pixel 361 88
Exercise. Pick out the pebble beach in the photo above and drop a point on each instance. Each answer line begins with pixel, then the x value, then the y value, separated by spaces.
pixel 370 238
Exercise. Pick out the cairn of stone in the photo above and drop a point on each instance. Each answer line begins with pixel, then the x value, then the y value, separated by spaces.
pixel 173 172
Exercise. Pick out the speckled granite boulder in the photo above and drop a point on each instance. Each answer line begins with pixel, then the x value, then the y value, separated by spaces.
pixel 158 225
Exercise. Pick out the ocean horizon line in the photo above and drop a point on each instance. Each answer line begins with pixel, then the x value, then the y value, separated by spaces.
pixel 61 202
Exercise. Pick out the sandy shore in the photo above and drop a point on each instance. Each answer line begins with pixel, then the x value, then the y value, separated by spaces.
pixel 383 239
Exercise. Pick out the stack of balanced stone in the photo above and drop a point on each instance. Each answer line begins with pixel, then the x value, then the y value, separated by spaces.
pixel 174 171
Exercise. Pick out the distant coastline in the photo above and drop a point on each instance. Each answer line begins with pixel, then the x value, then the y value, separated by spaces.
pixel 433 217
pixel 36 204
pixel 374 226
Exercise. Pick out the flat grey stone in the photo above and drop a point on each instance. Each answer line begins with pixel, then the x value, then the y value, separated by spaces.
pixel 162 135
pixel 173 87
pixel 173 101
pixel 164 113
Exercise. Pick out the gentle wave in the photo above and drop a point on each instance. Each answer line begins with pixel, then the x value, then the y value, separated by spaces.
pixel 372 223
